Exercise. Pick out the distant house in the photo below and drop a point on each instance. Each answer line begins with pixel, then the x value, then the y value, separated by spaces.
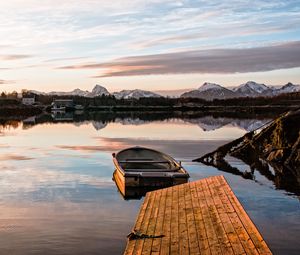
pixel 28 99
pixel 62 104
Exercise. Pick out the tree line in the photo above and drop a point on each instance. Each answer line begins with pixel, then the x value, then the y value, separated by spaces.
pixel 110 100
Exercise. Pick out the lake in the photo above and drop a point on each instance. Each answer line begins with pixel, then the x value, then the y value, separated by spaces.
pixel 57 195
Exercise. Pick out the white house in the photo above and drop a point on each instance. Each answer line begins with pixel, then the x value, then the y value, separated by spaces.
pixel 28 100
pixel 62 104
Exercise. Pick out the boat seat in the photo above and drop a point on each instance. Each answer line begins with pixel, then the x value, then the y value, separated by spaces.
pixel 152 170
pixel 143 161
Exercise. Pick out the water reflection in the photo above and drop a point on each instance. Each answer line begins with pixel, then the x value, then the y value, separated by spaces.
pixel 57 195
pixel 210 123
pixel 283 177
pixel 101 119
pixel 182 148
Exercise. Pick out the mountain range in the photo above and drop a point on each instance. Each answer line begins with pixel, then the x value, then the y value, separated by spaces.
pixel 99 90
pixel 210 91
pixel 207 91
pixel 136 93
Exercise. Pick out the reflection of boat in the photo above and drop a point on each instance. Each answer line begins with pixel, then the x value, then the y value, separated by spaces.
pixel 143 167
pixel 79 107
pixel 78 112
pixel 62 116
pixel 58 109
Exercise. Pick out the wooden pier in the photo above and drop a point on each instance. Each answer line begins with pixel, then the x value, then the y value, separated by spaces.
pixel 201 217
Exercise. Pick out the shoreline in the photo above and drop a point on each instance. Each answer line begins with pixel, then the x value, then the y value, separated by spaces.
pixel 27 111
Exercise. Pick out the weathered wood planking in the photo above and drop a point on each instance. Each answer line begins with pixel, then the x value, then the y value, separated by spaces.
pixel 201 217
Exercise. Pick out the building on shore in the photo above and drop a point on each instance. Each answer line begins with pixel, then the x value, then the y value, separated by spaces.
pixel 62 104
pixel 28 99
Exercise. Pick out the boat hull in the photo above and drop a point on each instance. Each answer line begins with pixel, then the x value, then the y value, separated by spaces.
pixel 135 187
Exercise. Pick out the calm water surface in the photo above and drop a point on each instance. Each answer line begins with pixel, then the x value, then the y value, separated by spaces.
pixel 57 195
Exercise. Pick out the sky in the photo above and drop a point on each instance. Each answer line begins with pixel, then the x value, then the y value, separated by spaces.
pixel 55 45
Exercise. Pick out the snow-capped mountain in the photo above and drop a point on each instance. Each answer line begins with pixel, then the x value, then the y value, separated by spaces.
pixel 207 91
pixel 288 88
pixel 210 91
pixel 136 93
pixel 75 92
pixel 79 92
pixel 207 86
pixel 97 91
pixel 252 89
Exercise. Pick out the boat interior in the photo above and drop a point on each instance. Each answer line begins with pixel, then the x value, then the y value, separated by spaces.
pixel 139 159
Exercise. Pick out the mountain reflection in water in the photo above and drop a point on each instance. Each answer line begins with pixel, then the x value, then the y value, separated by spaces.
pixel 57 195
pixel 100 120
pixel 286 180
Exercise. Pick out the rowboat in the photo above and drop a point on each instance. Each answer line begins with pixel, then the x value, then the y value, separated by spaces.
pixel 145 168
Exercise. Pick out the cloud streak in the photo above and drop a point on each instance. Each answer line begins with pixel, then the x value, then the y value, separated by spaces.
pixel 5 157
pixel 3 82
pixel 224 61
pixel 14 57
pixel 64 34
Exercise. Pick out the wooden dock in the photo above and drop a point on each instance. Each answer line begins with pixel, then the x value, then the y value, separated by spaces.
pixel 201 217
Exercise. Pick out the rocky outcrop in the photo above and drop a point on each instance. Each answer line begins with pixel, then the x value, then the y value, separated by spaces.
pixel 276 146
pixel 279 142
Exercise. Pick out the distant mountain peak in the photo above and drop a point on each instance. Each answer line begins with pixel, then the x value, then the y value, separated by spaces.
pixel 210 91
pixel 289 84
pixel 252 89
pixel 99 90
pixel 258 87
pixel 289 87
pixel 208 85
pixel 98 87
pixel 135 93
pixel 77 90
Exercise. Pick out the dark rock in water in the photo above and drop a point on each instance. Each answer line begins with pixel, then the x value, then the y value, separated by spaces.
pixel 276 146
pixel 278 142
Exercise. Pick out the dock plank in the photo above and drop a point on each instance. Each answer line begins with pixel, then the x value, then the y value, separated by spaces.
pixel 192 232
pixel 200 217
pixel 174 249
pixel 152 224
pixel 131 244
pixel 199 222
pixel 144 225
pixel 155 249
pixel 217 218
pixel 249 226
pixel 239 235
pixel 166 240
pixel 183 232
pixel 220 204
pixel 208 220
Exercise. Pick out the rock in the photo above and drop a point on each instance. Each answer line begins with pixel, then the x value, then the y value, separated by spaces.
pixel 276 155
